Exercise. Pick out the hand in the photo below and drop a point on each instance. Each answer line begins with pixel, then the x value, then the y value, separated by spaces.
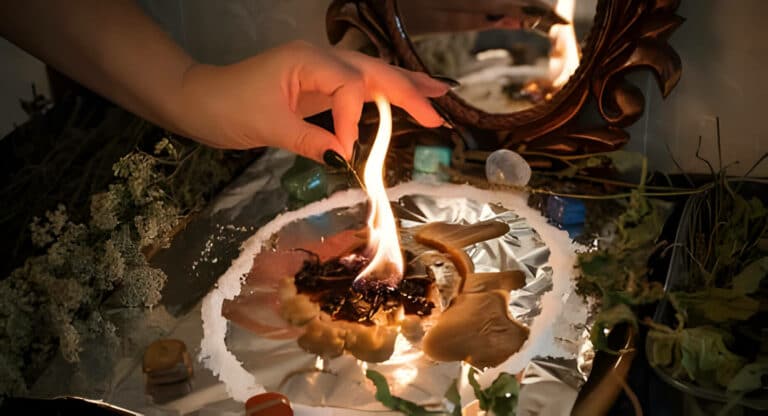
pixel 262 101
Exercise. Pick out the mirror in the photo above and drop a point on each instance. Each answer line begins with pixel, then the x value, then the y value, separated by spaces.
pixel 615 37
pixel 508 55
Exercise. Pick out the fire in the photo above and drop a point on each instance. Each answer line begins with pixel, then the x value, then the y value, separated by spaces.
pixel 386 267
pixel 565 55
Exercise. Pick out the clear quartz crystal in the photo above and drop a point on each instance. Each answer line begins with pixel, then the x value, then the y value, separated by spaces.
pixel 505 167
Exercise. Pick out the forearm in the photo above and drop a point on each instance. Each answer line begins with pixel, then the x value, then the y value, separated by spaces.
pixel 110 46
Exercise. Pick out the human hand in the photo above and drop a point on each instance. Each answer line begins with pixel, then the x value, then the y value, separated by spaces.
pixel 262 101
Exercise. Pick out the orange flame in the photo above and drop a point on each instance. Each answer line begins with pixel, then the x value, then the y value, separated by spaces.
pixel 565 54
pixel 387 263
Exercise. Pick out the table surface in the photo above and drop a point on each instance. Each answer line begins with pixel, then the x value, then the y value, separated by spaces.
pixel 198 256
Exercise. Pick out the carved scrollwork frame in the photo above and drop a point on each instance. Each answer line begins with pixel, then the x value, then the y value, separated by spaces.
pixel 626 35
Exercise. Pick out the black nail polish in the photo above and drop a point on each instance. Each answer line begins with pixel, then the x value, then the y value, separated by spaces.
pixel 334 160
pixel 450 81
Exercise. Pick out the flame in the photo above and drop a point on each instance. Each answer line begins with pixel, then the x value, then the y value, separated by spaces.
pixel 387 263
pixel 565 54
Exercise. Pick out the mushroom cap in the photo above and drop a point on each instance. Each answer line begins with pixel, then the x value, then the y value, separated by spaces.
pixel 477 329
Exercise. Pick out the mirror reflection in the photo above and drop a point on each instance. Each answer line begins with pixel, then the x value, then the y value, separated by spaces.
pixel 508 55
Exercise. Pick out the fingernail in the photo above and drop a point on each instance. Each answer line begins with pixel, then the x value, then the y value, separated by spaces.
pixel 450 81
pixel 334 159
pixel 440 111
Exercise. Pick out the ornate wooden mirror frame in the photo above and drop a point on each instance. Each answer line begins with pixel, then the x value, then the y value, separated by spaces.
pixel 626 35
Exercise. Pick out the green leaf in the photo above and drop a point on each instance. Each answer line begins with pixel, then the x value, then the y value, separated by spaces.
pixel 716 305
pixel 606 319
pixel 453 396
pixel 749 378
pixel 705 356
pixel 500 397
pixel 479 393
pixel 386 398
pixel 643 293
pixel 662 348
pixel 748 281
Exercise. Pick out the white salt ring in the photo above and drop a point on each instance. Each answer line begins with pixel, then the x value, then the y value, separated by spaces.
pixel 241 384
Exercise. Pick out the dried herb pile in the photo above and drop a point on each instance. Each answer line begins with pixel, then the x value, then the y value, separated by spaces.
pixel 718 337
pixel 83 263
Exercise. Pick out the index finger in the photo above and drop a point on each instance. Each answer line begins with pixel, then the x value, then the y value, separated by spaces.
pixel 405 89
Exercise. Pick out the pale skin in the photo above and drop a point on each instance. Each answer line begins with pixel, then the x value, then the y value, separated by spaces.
pixel 113 48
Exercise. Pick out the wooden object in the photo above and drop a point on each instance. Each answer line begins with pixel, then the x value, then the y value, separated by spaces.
pixel 626 35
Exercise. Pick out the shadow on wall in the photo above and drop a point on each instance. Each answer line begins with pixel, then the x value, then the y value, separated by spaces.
pixel 724 49
pixel 18 72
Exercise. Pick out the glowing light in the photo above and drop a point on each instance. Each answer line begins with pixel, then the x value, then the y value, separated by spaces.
pixel 404 375
pixel 387 264
pixel 565 55
pixel 404 352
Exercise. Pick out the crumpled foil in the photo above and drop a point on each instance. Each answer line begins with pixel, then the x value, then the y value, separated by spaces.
pixel 556 368
pixel 201 271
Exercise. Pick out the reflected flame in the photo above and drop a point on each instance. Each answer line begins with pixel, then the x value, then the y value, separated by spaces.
pixel 387 263
pixel 405 375
pixel 565 54
pixel 404 352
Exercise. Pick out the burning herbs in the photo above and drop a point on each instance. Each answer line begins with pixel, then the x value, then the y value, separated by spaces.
pixel 330 285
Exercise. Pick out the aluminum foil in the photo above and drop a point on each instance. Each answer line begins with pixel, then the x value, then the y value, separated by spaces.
pixel 558 371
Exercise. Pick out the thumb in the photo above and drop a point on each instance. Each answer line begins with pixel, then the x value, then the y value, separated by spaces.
pixel 312 141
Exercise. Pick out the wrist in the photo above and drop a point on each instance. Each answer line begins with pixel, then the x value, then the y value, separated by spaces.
pixel 191 114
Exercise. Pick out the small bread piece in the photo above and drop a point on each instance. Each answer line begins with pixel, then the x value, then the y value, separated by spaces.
pixel 477 329
pixel 484 282
pixel 299 310
pixel 323 338
pixel 370 343
pixel 296 309
pixel 329 339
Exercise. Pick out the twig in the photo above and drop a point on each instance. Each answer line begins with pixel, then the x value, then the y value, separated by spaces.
pixel 677 164
pixel 565 157
pixel 759 161
pixel 477 182
pixel 698 156
pixel 615 182
pixel 719 146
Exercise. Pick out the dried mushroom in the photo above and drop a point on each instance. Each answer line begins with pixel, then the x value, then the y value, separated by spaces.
pixel 452 238
pixel 443 235
pixel 484 282
pixel 477 329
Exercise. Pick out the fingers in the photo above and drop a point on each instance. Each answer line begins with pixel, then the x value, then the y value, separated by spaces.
pixel 347 107
pixel 410 94
pixel 349 79
pixel 428 86
pixel 403 88
pixel 311 141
